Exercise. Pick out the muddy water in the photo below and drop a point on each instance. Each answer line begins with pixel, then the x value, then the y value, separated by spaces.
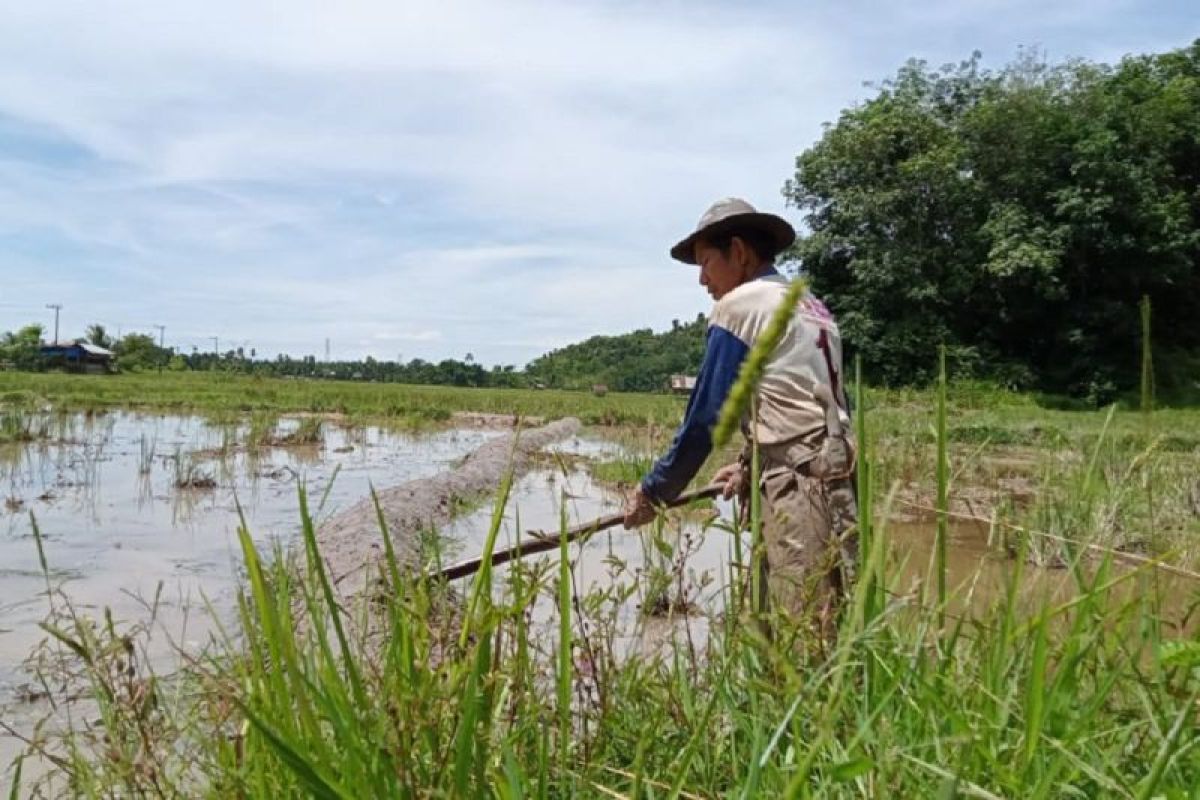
pixel 981 570
pixel 687 559
pixel 699 552
pixel 115 525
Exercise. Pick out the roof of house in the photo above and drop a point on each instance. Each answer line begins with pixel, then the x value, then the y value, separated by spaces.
pixel 86 347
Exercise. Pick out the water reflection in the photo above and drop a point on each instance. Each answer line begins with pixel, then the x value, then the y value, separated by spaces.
pixel 127 500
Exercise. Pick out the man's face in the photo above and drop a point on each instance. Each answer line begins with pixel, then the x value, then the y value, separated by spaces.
pixel 719 273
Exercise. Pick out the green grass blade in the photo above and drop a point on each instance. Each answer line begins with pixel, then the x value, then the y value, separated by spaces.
pixel 565 644
pixel 943 479
pixel 317 566
pixel 310 775
pixel 14 791
pixel 1167 749
pixel 1035 696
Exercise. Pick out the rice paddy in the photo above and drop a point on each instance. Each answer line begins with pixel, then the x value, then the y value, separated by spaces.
pixel 1023 625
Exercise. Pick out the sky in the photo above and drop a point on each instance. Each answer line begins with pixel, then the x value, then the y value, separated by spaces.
pixel 414 179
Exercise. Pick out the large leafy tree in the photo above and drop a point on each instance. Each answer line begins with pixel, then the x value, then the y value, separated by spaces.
pixel 1016 217
pixel 138 351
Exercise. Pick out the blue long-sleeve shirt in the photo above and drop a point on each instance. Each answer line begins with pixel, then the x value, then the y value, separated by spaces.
pixel 723 356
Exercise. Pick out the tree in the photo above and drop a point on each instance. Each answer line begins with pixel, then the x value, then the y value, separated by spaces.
pixel 97 335
pixel 138 351
pixel 1015 216
pixel 22 349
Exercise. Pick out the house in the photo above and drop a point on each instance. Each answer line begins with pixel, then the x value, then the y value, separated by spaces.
pixel 77 356
pixel 683 384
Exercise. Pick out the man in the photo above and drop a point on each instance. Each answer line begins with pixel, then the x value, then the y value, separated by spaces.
pixel 799 400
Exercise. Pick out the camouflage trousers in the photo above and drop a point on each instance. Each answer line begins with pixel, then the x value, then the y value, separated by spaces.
pixel 809 566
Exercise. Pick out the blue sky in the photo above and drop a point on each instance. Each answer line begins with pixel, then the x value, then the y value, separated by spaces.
pixel 415 179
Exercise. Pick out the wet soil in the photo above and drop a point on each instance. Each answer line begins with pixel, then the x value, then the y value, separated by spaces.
pixel 351 541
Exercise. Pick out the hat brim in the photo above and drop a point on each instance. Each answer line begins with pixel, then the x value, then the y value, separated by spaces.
pixel 780 230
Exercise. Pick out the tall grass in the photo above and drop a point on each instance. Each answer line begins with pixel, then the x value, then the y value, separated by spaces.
pixel 428 690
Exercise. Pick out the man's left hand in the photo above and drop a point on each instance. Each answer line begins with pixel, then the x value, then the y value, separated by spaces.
pixel 639 510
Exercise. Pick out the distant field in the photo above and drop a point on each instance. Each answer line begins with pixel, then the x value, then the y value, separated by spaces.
pixel 401 404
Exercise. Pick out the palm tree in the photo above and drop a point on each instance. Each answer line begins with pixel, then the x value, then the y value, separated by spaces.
pixel 98 336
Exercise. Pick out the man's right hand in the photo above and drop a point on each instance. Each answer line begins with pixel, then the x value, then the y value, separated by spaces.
pixel 639 510
pixel 732 478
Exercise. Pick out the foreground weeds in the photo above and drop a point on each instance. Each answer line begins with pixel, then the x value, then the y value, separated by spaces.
pixel 428 690
pixel 1082 699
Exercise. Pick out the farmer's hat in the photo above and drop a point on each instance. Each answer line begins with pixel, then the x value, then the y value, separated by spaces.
pixel 732 215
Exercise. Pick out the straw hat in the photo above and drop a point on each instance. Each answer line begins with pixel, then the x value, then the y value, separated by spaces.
pixel 732 215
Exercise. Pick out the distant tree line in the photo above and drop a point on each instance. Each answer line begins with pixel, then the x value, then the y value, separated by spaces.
pixel 1015 216
pixel 639 361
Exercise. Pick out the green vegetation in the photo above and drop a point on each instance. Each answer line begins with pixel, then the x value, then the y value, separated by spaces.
pixel 222 394
pixel 460 694
pixel 16 427
pixel 19 349
pixel 641 361
pixel 1017 217
pixel 138 351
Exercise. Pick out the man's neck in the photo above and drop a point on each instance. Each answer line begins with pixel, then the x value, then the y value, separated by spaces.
pixel 764 271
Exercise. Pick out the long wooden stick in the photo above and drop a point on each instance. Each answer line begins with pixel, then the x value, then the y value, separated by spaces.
pixel 541 542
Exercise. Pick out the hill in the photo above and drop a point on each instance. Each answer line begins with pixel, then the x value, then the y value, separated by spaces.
pixel 641 361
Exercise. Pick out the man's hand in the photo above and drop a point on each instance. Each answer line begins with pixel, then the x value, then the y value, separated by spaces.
pixel 638 510
pixel 732 478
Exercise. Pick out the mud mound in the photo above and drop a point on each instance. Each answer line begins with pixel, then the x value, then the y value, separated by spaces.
pixel 351 542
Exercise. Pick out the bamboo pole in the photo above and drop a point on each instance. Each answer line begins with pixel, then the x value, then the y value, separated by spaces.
pixel 542 542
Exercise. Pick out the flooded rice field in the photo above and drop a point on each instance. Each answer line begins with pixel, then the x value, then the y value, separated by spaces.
pixel 136 511
pixel 134 507
pixel 138 514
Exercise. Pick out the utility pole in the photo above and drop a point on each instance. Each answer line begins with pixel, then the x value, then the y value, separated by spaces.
pixel 57 307
pixel 326 349
pixel 161 330
pixel 216 352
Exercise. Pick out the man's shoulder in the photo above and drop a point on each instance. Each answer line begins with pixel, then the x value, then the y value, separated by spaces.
pixel 751 298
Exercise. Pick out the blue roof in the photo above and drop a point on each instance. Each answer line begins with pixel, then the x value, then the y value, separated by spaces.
pixel 76 349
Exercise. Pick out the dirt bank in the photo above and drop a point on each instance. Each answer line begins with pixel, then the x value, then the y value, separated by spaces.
pixel 351 541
